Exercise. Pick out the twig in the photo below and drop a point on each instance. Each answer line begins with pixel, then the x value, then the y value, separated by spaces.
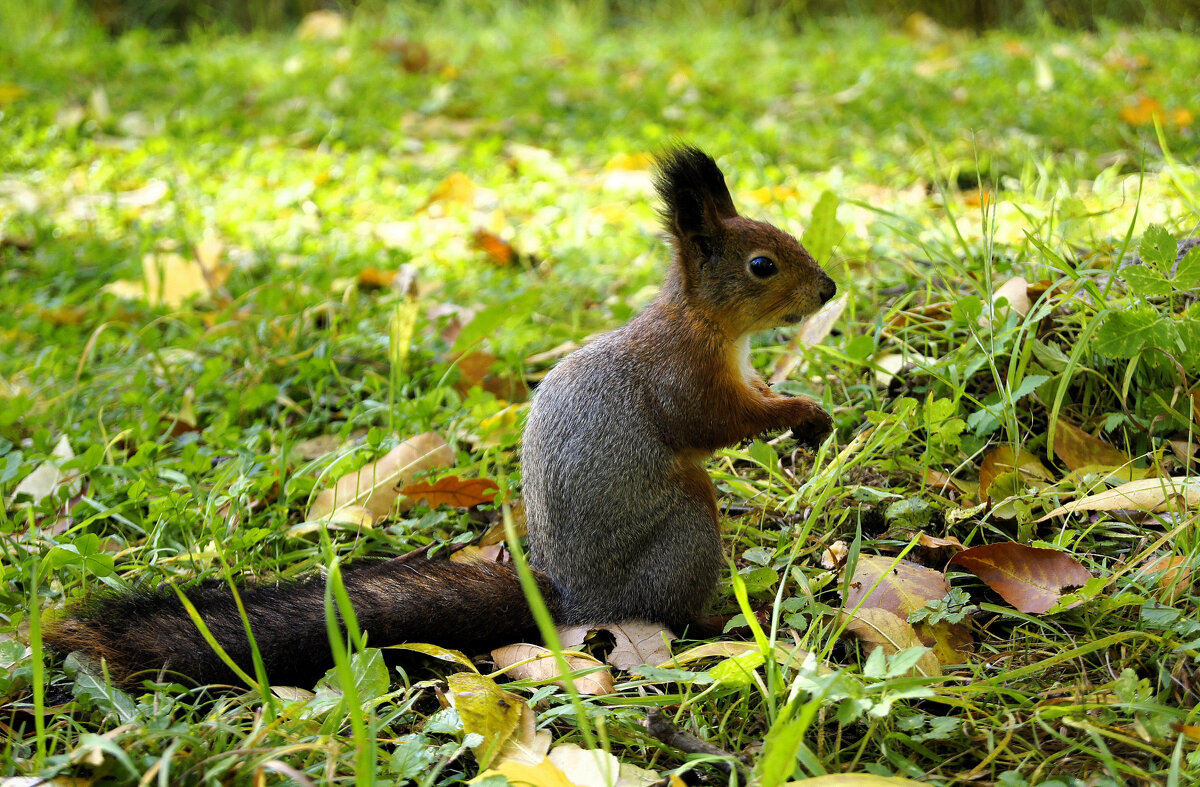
pixel 659 727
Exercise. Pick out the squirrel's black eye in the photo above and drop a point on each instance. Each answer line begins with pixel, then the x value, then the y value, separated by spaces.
pixel 762 267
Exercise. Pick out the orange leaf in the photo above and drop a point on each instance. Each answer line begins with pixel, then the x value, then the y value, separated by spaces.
pixel 1141 112
pixel 453 491
pixel 375 279
pixel 1076 448
pixel 1030 579
pixel 497 249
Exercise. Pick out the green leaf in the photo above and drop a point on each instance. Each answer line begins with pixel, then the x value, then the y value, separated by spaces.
pixel 1145 282
pixel 1158 249
pixel 1124 334
pixel 1187 273
pixel 1188 325
pixel 824 231
pixel 967 311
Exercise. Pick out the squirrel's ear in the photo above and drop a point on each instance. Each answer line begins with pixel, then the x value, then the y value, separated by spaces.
pixel 694 195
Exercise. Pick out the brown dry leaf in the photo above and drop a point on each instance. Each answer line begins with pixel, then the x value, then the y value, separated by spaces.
pixel 452 491
pixel 1029 578
pixel 1190 730
pixel 375 487
pixel 1005 460
pixel 1077 449
pixel 375 279
pixel 813 331
pixel 1174 574
pixel 477 368
pixel 874 627
pixel 934 542
pixel 496 248
pixel 897 586
pixel 528 745
pixel 1148 494
pixel 534 662
pixel 321 25
pixel 639 643
pixel 902 588
pixel 412 56
pixel 456 189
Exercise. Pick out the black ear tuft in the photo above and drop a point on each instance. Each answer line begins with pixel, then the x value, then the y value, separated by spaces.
pixel 691 184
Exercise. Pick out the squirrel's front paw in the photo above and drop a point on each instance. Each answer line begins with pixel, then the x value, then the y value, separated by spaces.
pixel 815 427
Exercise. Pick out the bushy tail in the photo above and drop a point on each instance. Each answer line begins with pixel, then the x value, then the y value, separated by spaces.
pixel 466 606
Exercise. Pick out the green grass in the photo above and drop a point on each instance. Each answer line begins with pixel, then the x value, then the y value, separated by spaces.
pixel 315 161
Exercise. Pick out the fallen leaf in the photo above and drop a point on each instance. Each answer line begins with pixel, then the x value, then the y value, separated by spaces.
pixel 492 553
pixel 784 654
pixel 485 709
pixel 535 662
pixel 456 189
pixel 496 248
pixel 375 487
pixel 834 556
pixel 598 768
pixel 812 332
pixel 1029 578
pixel 900 588
pixel 897 586
pixel 452 491
pixel 639 643
pixel 1173 573
pixel 413 56
pixel 322 25
pixel 478 369
pixel 542 774
pixel 1077 449
pixel 527 744
pixel 878 628
pixel 934 542
pixel 48 477
pixel 170 279
pixel 375 279
pixel 10 93
pixel 1148 494
pixel 316 447
pixel 1005 459
pixel 435 651
pixel 1016 292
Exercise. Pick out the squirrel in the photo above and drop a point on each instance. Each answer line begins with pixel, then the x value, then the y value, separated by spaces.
pixel 621 514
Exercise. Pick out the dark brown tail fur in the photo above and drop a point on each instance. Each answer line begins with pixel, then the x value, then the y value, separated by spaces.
pixel 466 606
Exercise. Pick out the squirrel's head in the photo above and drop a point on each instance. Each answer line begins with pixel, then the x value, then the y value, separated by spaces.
pixel 747 274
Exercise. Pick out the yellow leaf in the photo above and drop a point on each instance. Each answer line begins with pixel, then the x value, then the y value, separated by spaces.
pixel 321 25
pixel 10 92
pixel 1149 494
pixel 485 709
pixel 544 774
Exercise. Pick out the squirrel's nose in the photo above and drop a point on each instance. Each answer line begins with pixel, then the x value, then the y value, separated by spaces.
pixel 828 288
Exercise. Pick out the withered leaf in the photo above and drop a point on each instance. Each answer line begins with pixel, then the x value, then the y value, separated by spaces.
pixel 453 491
pixel 496 248
pixel 875 627
pixel 375 486
pixel 1076 448
pixel 485 709
pixel 534 662
pixel 1147 494
pixel 636 642
pixel 1029 578
pixel 903 586
pixel 1005 459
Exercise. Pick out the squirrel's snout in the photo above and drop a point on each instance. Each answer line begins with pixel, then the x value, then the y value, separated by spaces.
pixel 828 289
